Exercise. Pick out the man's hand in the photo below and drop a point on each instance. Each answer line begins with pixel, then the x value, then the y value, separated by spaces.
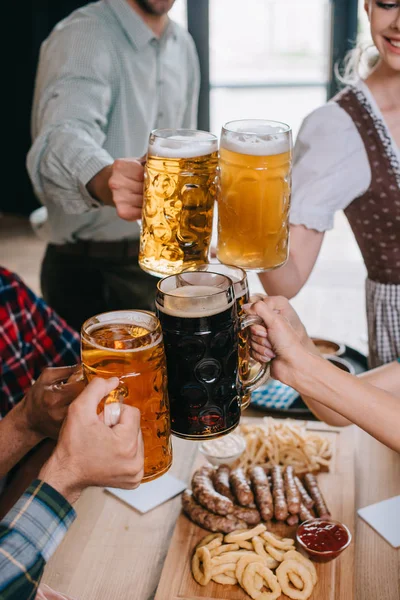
pixel 90 453
pixel 45 404
pixel 121 185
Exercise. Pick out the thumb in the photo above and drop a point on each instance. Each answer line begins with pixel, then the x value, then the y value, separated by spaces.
pixel 94 393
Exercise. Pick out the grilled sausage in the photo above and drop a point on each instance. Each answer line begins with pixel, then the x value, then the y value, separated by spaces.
pixel 305 513
pixel 221 481
pixel 278 493
pixel 241 488
pixel 207 520
pixel 311 484
pixel 250 515
pixel 305 498
pixel 262 492
pixel 206 495
pixel 293 519
pixel 292 492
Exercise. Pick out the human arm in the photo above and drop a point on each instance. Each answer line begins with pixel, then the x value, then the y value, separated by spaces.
pixel 354 399
pixel 88 453
pixel 75 92
pixel 330 169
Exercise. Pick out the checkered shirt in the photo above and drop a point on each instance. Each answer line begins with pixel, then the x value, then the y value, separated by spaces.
pixel 29 535
pixel 32 337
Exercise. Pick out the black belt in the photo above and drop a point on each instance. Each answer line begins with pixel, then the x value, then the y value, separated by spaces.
pixel 120 249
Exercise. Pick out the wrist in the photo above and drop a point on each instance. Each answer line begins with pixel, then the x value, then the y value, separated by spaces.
pixel 62 478
pixel 98 186
pixel 24 425
pixel 305 375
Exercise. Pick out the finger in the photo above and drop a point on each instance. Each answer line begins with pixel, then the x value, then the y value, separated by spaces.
pixel 112 413
pixel 129 419
pixel 94 393
pixel 260 358
pixel 258 330
pixel 257 297
pixel 120 182
pixel 130 167
pixel 51 375
pixel 129 214
pixel 265 353
pixel 261 341
pixel 267 313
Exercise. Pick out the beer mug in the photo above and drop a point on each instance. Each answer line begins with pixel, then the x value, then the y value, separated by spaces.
pixel 197 312
pixel 254 200
pixel 128 344
pixel 180 189
pixel 242 296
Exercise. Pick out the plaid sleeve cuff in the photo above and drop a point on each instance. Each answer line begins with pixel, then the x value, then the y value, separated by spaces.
pixel 42 516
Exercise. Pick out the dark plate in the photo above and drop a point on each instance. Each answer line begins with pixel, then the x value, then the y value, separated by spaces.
pixel 299 410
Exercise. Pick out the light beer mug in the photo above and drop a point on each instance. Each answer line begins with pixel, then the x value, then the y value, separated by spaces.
pixel 129 345
pixel 180 189
pixel 254 199
pixel 197 312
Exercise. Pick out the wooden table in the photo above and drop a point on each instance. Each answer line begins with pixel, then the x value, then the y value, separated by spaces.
pixel 114 553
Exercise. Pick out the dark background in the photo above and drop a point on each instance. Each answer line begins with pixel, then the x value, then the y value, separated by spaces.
pixel 35 21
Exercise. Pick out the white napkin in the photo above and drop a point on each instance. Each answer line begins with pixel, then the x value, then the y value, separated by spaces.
pixel 384 517
pixel 149 495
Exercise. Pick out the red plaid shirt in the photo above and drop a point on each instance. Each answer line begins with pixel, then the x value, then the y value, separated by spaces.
pixel 32 337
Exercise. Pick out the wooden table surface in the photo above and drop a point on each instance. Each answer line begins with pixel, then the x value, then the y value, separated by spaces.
pixel 114 553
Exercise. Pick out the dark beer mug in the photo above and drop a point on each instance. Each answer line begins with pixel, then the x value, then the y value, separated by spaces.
pixel 247 365
pixel 198 316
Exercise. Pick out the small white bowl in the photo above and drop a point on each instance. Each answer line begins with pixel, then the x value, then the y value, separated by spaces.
pixel 224 450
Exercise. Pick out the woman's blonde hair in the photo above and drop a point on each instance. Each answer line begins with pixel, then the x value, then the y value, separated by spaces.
pixel 358 63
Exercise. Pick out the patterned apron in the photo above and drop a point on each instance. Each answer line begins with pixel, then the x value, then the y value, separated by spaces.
pixel 375 220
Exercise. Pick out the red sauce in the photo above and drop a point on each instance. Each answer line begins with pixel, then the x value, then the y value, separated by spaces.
pixel 326 537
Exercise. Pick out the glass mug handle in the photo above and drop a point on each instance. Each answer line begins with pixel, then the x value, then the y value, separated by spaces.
pixel 263 374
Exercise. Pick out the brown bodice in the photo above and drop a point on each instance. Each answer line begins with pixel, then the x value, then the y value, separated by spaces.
pixel 375 215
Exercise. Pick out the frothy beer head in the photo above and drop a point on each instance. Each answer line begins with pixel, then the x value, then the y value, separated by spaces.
pixel 256 137
pixel 194 302
pixel 181 143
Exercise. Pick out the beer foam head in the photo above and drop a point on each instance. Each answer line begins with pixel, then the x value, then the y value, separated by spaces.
pixel 257 138
pixel 195 301
pixel 176 145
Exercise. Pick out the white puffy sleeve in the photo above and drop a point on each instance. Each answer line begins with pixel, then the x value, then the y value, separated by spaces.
pixel 330 167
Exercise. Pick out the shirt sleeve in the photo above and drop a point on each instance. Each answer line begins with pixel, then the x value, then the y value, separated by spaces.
pixel 192 101
pixel 29 535
pixel 73 97
pixel 330 167
pixel 52 341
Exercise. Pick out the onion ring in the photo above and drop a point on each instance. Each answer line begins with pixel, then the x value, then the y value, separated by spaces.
pixel 270 580
pixel 224 548
pixel 210 541
pixel 294 566
pixel 280 543
pixel 225 579
pixel 293 555
pixel 201 566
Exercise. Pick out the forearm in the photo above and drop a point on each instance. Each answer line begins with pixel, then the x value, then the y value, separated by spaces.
pixel 62 162
pixel 98 186
pixel 16 438
pixel 374 410
pixel 286 281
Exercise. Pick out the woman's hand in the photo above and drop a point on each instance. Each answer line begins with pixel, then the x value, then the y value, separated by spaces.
pixel 283 338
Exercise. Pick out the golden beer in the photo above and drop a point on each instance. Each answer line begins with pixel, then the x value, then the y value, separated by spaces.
pixel 180 189
pixel 254 201
pixel 129 345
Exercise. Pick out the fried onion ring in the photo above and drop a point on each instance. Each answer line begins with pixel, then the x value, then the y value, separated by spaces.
pixel 201 566
pixel 294 566
pixel 245 545
pixel 226 579
pixel 229 557
pixel 269 561
pixel 274 552
pixel 245 535
pixel 270 580
pixel 221 569
pixel 294 555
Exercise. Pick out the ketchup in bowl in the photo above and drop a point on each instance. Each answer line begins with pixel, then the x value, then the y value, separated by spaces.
pixel 323 539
